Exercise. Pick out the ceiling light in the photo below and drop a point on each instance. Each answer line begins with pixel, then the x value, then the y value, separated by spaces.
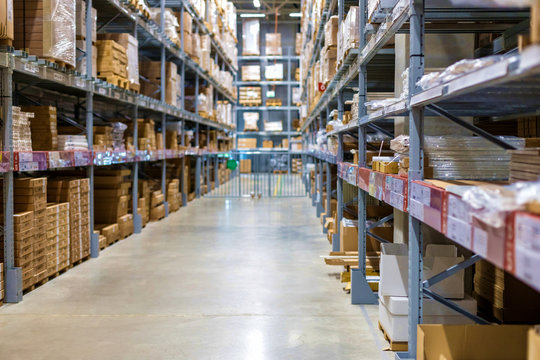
pixel 297 14
pixel 257 3
pixel 252 15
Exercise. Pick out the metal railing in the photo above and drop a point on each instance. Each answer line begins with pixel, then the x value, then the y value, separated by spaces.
pixel 268 174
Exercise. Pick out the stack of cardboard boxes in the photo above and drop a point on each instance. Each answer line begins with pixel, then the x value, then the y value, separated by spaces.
pixel 146 134
pixel 52 25
pixel 58 249
pixel 30 204
pixel 43 127
pixel 174 197
pixel 125 225
pixel 131 45
pixel 22 134
pixel 188 25
pixel 329 52
pixel 151 71
pixel 145 195
pixel 111 200
pixel 24 245
pixel 76 193
pixel 157 206
pixel 1 282
pixel 112 63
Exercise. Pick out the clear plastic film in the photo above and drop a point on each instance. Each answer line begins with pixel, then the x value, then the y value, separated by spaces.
pixel 400 144
pixel 250 37
pixel 491 203
pixel 59 30
pixel 118 130
pixel 251 120
pixel 171 23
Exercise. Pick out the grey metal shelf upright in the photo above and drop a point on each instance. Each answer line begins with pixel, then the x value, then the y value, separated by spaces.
pixel 490 92
pixel 113 16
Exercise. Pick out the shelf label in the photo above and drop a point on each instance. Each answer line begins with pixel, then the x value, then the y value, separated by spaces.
pixel 416 209
pixel 59 77
pixel 102 91
pixel 396 201
pixel 480 242
pixel 117 95
pixel 33 68
pixel 527 249
pixel 79 82
pixel 459 231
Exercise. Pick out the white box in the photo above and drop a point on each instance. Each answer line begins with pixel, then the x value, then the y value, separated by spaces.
pixel 393 314
pixel 274 72
pixel 394 270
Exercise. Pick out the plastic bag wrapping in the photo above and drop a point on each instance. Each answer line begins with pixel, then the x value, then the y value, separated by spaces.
pixel 381 104
pixel 72 142
pixel 459 68
pixel 142 4
pixel 251 72
pixel 251 121
pixel 348 35
pixel 527 192
pixel 171 23
pixel 400 144
pixel 250 37
pixel 59 30
pixel 491 203
pixel 491 3
pixel 274 72
pixel 118 130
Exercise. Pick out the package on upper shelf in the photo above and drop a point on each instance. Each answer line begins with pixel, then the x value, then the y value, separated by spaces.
pixel 348 35
pixel 251 37
pixel 329 61
pixel 112 62
pixel 273 44
pixel 171 23
pixel 331 29
pixel 72 142
pixel 273 126
pixel 250 95
pixel 6 20
pixel 251 121
pixel 80 21
pixel 251 73
pixel 131 44
pixel 296 95
pixel 151 71
pixel 52 29
pixel 298 44
pixel 274 72
pixel 22 135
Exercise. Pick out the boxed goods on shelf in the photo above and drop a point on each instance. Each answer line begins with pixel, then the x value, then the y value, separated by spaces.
pixel 331 29
pixel 23 244
pixel 273 126
pixel 250 95
pixel 43 127
pixel 72 142
pixel 250 37
pixel 110 232
pixel 58 248
pixel 112 63
pixel 171 23
pixel 274 72
pixel 273 44
pixel 268 144
pixel 472 342
pixel 348 35
pixel 157 211
pixel 131 46
pixel 174 197
pixel 125 225
pixel 22 134
pixel 111 184
pixel 46 28
pixel 298 44
pixel 251 72
pixel 247 143
pixel 245 166
pixel 6 22
pixel 80 21
pixel 503 297
pixel 328 67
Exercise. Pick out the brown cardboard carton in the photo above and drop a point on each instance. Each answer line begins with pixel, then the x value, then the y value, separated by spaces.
pixel 472 342
pixel 6 19
pixel 533 344
pixel 348 236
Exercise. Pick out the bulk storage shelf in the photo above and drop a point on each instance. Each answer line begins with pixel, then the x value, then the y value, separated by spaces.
pixel 269 133
pixel 267 83
pixel 503 89
pixel 269 108
pixel 151 32
pixel 31 69
pixel 267 57
pixel 328 10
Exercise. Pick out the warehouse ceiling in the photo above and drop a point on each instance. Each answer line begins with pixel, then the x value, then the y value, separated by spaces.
pixel 268 7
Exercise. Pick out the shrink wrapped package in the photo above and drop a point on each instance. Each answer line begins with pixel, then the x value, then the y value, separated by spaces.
pixel 131 45
pixel 331 32
pixel 274 72
pixel 6 19
pixel 298 44
pixel 273 44
pixel 251 120
pixel 251 73
pixel 46 28
pixel 250 37
pixel 348 36
pixel 171 23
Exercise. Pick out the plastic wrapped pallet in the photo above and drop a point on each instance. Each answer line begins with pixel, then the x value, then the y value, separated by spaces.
pixel 52 25
pixel 251 73
pixel 298 44
pixel 329 61
pixel 171 23
pixel 80 21
pixel 273 44
pixel 251 121
pixel 274 72
pixel 348 36
pixel 331 32
pixel 250 37
pixel 131 45
pixel 6 19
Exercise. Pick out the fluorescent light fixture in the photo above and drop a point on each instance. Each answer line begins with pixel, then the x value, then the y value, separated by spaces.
pixel 295 14
pixel 257 3
pixel 252 15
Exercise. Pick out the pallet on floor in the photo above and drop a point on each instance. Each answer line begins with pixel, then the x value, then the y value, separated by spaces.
pixel 394 345
pixel 80 261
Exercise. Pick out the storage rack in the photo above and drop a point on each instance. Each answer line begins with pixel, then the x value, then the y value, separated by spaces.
pixel 18 67
pixel 509 87
pixel 288 83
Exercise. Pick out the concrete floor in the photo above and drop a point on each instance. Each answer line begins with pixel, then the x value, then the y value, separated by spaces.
pixel 220 279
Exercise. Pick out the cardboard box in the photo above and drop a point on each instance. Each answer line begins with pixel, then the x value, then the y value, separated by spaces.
pixel 331 31
pixel 471 342
pixel 251 37
pixel 247 143
pixel 394 270
pixel 533 344
pixel 6 19
pixel 348 235
pixel 125 225
pixel 394 310
pixel 273 44
pixel 157 213
pixel 439 258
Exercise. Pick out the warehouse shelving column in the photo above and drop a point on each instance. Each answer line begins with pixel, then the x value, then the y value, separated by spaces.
pixel 13 275
pixel 182 106
pixel 361 292
pixel 163 114
pixel 137 220
pixel 94 238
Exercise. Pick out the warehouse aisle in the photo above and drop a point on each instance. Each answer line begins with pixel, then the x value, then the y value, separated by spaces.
pixel 220 279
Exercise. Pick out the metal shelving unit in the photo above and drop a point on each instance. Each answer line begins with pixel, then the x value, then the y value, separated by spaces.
pixel 508 87
pixel 116 16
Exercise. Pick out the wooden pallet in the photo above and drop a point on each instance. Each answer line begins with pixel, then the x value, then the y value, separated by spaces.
pixel 80 261
pixel 250 103
pixel 280 171
pixel 118 81
pixel 60 64
pixel 6 42
pixel 274 102
pixel 394 345
pixel 136 88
